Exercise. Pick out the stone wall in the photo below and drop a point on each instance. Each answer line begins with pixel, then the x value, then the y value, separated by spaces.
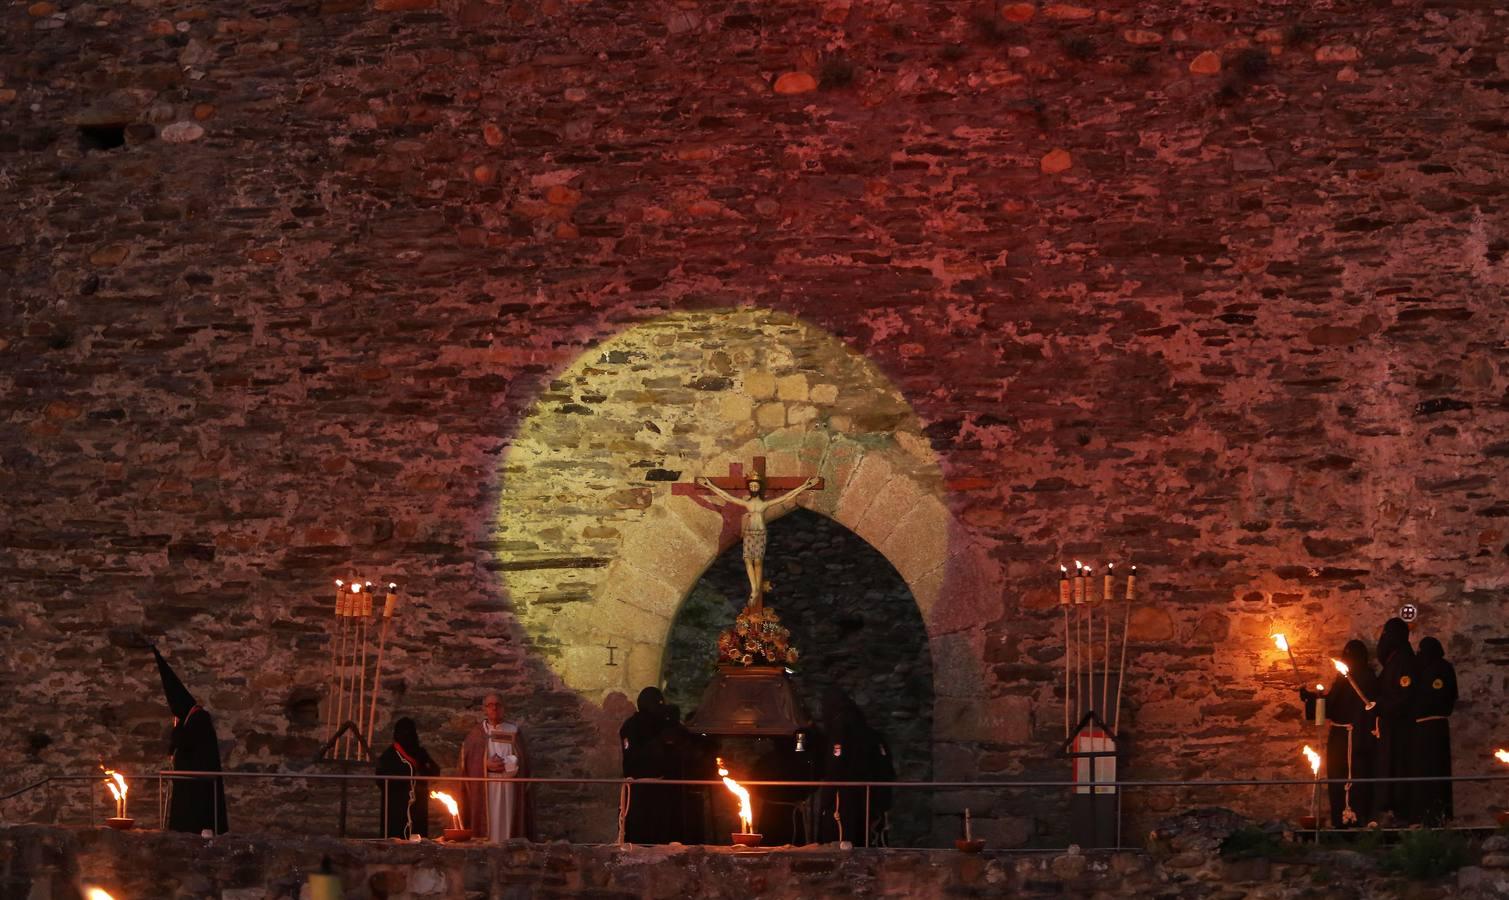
pixel 293 290
pixel 51 864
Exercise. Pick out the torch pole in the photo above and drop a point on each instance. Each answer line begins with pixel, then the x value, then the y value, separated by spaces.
pixel 348 673
pixel 1090 643
pixel 389 603
pixel 1122 669
pixel 1105 679
pixel 365 626
pixel 1068 655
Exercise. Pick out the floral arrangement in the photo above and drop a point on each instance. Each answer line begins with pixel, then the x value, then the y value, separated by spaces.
pixel 757 638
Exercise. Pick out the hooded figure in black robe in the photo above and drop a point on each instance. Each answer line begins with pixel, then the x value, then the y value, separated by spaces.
pixel 1349 742
pixel 1395 725
pixel 780 810
pixel 854 752
pixel 1434 699
pixel 654 810
pixel 690 757
pixel 406 804
pixel 196 804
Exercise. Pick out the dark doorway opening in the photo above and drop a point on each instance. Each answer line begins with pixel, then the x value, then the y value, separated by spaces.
pixel 858 629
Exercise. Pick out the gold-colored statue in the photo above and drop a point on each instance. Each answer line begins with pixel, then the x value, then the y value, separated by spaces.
pixel 753 526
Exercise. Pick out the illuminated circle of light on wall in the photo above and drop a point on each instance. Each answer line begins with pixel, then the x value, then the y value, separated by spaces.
pixel 593 548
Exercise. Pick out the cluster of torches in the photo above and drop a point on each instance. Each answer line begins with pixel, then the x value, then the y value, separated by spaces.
pixel 348 661
pixel 1078 593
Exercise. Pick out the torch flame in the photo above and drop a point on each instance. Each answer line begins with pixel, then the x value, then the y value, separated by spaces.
pixel 746 815
pixel 1281 642
pixel 1314 759
pixel 117 784
pixel 95 893
pixel 1340 666
pixel 1501 755
pixel 449 803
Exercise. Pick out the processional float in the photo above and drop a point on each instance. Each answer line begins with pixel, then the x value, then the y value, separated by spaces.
pixel 351 709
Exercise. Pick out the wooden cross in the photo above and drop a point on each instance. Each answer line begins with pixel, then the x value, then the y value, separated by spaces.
pixel 736 482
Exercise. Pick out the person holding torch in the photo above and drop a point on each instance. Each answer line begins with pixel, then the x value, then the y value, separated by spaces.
pixel 1349 738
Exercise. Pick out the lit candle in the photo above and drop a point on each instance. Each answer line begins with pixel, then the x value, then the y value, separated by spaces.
pixel 1079 582
pixel 1063 586
pixel 1106 588
pixel 1320 704
pixel 1132 585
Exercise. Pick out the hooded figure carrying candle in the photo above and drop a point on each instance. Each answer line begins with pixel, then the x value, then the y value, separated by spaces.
pixel 1434 699
pixel 1395 724
pixel 1350 746
pixel 196 804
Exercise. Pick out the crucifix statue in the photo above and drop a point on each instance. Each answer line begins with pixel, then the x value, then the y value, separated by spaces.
pixel 752 523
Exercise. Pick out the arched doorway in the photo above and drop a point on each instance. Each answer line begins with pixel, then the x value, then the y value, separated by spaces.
pixel 858 628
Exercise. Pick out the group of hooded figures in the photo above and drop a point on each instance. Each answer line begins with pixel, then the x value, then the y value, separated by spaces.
pixel 1405 733
pixel 1403 730
pixel 656 745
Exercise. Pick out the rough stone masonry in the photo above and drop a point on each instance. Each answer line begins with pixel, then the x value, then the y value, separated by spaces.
pixel 1214 288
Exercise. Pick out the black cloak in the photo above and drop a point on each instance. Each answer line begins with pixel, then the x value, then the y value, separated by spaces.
pixel 1434 699
pixel 1395 722
pixel 853 752
pixel 196 804
pixel 780 809
pixel 406 804
pixel 1349 740
pixel 654 810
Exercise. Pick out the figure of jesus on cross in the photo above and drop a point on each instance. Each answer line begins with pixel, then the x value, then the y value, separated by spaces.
pixel 752 525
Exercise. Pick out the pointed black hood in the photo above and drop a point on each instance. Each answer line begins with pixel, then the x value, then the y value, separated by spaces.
pixel 1431 650
pixel 1395 637
pixel 1355 654
pixel 180 701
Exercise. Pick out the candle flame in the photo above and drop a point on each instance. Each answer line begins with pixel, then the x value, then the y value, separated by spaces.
pixel 94 893
pixel 339 583
pixel 1065 570
pixel 1340 666
pixel 1078 564
pixel 356 588
pixel 1281 642
pixel 1320 687
pixel 392 585
pixel 449 803
pixel 746 815
pixel 1501 755
pixel 1314 759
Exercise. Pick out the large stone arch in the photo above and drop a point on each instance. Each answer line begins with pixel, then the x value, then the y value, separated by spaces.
pixel 595 550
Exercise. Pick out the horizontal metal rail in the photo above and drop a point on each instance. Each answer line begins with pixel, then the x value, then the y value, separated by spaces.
pixel 183 774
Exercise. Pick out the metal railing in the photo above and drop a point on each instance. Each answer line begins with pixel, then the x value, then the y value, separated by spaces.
pixel 164 778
